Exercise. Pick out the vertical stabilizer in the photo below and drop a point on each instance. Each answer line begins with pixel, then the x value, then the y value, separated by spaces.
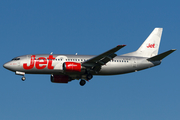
pixel 150 47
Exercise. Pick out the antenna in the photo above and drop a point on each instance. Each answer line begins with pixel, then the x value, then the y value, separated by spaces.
pixel 51 53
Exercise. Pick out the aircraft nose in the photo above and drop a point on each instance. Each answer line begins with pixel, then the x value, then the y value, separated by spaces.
pixel 13 66
pixel 6 65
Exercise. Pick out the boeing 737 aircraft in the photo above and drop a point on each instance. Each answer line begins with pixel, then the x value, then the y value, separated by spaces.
pixel 65 68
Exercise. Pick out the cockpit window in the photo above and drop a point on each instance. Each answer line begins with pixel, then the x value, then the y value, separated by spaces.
pixel 16 58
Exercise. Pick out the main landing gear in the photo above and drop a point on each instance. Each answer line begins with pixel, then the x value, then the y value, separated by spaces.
pixel 88 77
pixel 82 82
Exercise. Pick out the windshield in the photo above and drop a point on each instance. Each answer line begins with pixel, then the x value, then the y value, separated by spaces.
pixel 16 58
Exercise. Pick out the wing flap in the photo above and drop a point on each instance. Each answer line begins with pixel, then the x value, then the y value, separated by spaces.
pixel 106 59
pixel 102 58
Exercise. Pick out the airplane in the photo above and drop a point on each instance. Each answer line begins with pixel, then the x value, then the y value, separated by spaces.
pixel 65 68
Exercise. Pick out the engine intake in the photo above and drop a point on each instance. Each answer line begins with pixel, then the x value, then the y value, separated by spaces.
pixel 72 67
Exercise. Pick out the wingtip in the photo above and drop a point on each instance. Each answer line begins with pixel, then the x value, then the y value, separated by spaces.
pixel 122 45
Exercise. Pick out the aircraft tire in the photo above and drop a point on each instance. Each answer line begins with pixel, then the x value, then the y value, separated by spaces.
pixel 23 78
pixel 89 76
pixel 82 82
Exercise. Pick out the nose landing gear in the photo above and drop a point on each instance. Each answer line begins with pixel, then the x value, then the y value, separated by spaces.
pixel 21 73
pixel 23 78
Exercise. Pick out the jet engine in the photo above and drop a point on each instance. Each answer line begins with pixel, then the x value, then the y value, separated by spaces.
pixel 60 78
pixel 72 67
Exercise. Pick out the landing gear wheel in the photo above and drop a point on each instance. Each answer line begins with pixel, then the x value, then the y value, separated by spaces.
pixel 82 82
pixel 89 76
pixel 23 78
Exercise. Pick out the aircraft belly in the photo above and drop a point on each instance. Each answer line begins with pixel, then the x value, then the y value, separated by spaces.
pixel 147 64
pixel 43 71
pixel 121 68
pixel 115 69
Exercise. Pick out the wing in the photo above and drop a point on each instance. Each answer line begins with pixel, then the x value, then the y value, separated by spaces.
pixel 97 61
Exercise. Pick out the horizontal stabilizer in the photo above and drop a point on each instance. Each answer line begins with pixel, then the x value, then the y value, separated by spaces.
pixel 161 56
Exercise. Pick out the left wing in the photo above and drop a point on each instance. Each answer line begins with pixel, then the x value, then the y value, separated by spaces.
pixel 103 58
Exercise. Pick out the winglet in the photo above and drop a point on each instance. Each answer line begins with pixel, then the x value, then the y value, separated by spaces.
pixel 161 56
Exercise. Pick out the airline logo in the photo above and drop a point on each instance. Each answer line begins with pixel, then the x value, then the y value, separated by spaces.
pixel 72 65
pixel 40 63
pixel 150 45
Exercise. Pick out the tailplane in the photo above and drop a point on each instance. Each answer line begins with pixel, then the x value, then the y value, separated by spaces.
pixel 150 47
pixel 161 56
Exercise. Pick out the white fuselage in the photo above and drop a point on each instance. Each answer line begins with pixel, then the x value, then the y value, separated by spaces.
pixel 119 65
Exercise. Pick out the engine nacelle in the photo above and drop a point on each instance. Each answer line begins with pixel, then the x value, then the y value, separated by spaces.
pixel 60 78
pixel 72 67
